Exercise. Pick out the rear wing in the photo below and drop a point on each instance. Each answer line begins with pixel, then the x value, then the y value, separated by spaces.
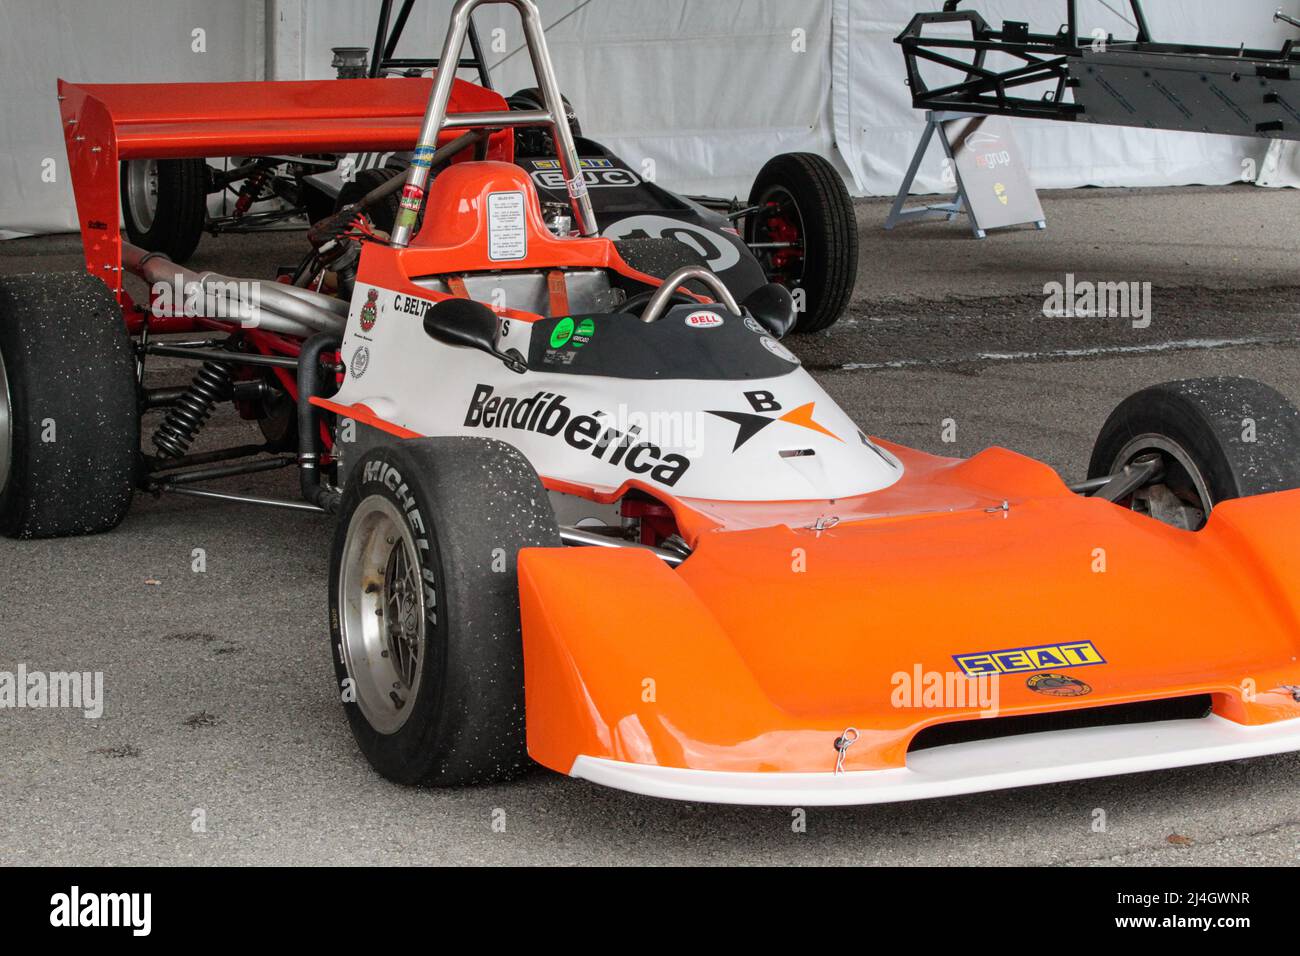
pixel 104 123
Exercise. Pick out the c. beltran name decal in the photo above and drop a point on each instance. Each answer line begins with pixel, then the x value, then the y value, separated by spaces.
pixel 548 414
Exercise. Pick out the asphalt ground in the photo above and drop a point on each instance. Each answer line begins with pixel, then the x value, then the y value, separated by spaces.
pixel 220 693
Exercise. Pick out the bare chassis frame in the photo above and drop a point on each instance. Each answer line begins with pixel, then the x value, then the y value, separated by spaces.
pixel 1140 82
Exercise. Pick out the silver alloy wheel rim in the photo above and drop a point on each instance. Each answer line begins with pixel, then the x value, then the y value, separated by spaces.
pixel 384 604
pixel 6 427
pixel 142 191
pixel 1167 448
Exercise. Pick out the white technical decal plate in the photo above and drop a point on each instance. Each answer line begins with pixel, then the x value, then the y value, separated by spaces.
pixel 507 228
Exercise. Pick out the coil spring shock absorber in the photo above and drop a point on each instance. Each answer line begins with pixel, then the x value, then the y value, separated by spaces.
pixel 252 189
pixel 183 423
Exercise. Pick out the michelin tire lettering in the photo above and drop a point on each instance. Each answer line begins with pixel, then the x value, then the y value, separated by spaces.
pixel 389 478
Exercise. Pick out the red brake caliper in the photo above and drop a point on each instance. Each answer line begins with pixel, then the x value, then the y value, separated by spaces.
pixel 781 229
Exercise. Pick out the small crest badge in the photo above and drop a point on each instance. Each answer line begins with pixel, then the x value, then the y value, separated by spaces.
pixel 370 311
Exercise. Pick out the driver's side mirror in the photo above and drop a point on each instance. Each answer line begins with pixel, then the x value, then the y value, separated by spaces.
pixel 773 306
pixel 467 324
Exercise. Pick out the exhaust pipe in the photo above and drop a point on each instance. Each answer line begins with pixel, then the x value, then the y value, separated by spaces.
pixel 280 308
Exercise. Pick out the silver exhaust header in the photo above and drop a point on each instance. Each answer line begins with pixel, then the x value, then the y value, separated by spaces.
pixel 258 304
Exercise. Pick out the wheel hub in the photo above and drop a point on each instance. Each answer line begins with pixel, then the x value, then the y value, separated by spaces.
pixel 383 613
pixel 142 191
pixel 780 225
pixel 1181 497
pixel 402 613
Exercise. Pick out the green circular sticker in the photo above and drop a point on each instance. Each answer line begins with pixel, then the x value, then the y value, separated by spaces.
pixel 586 329
pixel 562 333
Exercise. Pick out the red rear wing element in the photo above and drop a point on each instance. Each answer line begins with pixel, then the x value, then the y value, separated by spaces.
pixel 107 122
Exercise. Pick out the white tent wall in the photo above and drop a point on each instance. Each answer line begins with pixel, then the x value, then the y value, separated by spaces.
pixel 878 129
pixel 700 93
pixel 99 41
pixel 703 92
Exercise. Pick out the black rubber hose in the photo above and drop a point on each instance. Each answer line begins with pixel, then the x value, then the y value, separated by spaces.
pixel 309 451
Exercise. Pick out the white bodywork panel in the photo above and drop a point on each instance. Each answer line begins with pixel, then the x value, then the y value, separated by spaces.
pixel 600 432
pixel 972 767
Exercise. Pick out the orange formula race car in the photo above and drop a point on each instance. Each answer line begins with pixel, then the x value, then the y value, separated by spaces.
pixel 592 513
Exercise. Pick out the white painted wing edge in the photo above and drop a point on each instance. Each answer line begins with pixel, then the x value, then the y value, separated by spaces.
pixel 1016 761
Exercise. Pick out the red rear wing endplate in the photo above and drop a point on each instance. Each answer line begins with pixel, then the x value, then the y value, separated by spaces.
pixel 107 122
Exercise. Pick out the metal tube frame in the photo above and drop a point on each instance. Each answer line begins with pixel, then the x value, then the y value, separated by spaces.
pixel 1046 58
pixel 554 116
pixel 580 538
pixel 216 355
pixel 1146 470
pixel 983 89
pixel 160 468
pixel 1072 18
pixel 174 478
pixel 386 46
pixel 215 495
pixel 381 33
pixel 658 303
pixel 281 308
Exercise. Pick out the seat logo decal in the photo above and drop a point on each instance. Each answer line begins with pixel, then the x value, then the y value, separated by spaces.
pixel 1024 660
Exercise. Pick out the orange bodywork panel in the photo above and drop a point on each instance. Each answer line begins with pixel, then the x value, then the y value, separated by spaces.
pixel 454 240
pixel 104 123
pixel 769 641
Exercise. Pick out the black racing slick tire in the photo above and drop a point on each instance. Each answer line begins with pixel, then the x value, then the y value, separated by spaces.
pixel 535 141
pixel 424 607
pixel 69 409
pixel 384 213
pixel 802 199
pixel 1218 438
pixel 165 204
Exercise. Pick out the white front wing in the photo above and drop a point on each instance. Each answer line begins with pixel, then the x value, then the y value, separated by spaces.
pixel 973 767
